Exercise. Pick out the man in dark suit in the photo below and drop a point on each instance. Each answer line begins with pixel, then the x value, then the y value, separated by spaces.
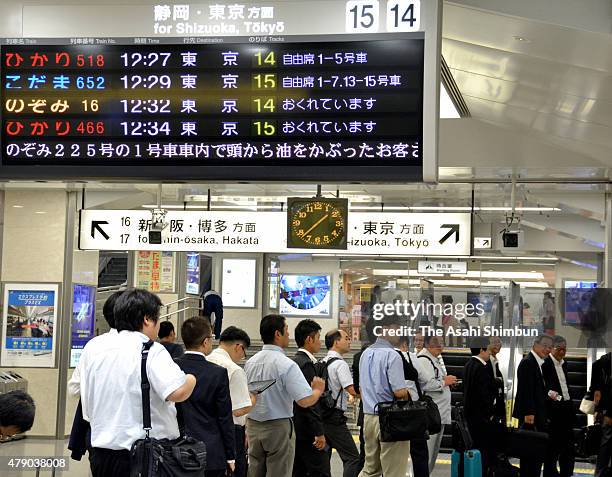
pixel 479 393
pixel 561 413
pixel 530 406
pixel 311 457
pixel 207 414
pixel 495 345
pixel 167 338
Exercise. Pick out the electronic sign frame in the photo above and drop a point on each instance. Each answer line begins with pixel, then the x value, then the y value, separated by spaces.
pixel 361 161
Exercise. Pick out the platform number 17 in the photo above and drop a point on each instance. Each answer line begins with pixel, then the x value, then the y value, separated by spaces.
pixel 403 15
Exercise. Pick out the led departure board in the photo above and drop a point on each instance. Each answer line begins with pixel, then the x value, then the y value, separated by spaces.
pixel 319 108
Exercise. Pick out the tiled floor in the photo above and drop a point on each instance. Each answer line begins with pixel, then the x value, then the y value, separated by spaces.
pixel 47 448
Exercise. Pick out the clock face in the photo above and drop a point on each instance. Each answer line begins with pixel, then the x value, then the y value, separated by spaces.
pixel 317 223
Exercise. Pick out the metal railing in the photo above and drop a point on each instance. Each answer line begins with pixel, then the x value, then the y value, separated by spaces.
pixel 167 306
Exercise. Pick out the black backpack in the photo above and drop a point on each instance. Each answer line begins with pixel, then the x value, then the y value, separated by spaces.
pixel 327 401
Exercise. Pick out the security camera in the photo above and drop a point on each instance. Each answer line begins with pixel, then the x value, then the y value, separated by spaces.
pixel 158 224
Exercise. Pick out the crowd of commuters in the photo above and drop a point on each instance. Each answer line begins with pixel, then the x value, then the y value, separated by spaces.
pixel 283 416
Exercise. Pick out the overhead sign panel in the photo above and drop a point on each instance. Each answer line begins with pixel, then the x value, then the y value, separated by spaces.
pixel 258 232
pixel 428 267
pixel 359 104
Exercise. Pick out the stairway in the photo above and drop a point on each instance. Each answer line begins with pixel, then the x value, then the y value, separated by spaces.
pixel 113 269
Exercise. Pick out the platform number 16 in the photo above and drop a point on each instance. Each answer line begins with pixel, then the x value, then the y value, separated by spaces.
pixel 403 15
pixel 362 16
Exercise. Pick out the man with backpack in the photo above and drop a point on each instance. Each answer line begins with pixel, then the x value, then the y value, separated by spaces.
pixel 340 386
pixel 311 457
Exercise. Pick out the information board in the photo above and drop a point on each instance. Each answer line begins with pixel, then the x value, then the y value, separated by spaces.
pixel 370 233
pixel 328 103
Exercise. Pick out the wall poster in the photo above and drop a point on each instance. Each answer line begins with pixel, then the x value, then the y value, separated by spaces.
pixel 155 271
pixel 83 319
pixel 193 273
pixel 29 316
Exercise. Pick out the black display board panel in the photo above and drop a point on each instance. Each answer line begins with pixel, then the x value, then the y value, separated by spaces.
pixel 139 93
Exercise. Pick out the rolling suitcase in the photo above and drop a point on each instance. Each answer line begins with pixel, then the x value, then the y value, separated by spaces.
pixel 468 464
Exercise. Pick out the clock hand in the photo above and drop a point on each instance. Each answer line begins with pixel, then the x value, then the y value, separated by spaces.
pixel 315 224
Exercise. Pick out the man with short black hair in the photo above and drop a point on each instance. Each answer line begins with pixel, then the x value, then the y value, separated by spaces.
pixel 167 338
pixel 111 391
pixel 17 410
pixel 310 457
pixel 94 346
pixel 269 426
pixel 207 414
pixel 80 434
pixel 479 394
pixel 233 344
pixel 530 406
pixel 340 385
pixel 561 412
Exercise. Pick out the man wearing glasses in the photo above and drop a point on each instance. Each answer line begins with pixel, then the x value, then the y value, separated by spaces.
pixel 233 344
pixel 530 407
pixel 561 413
pixel 207 414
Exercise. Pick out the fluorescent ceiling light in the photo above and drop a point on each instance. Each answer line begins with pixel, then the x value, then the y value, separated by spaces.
pixel 253 207
pixel 533 284
pixel 470 274
pixel 447 107
pixel 249 200
pixel 452 208
pixel 506 275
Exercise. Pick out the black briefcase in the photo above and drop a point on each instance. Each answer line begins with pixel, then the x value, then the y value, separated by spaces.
pixel 525 443
pixel 402 420
pixel 150 457
pixel 588 441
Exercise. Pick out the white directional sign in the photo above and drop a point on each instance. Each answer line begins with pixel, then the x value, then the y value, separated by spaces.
pixel 482 242
pixel 456 268
pixel 265 232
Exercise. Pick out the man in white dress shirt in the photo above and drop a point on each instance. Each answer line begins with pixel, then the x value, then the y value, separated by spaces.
pixel 433 368
pixel 340 384
pixel 111 386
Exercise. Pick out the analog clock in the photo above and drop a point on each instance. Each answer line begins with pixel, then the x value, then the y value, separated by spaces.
pixel 317 223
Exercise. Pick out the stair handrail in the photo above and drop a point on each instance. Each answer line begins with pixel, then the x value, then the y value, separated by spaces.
pixel 167 316
pixel 181 300
pixel 109 288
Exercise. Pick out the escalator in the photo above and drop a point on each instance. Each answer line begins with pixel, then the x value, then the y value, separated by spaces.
pixel 577 383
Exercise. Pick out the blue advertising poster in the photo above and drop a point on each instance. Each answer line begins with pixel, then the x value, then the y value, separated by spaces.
pixel 579 296
pixel 83 320
pixel 29 325
pixel 193 273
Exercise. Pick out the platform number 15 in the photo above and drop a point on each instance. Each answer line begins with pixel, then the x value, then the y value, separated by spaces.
pixel 362 16
pixel 403 15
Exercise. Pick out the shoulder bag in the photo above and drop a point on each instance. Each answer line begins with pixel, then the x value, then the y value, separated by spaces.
pixel 402 420
pixel 150 457
pixel 434 420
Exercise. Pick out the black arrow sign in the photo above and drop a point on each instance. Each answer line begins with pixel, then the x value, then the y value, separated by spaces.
pixel 95 225
pixel 453 229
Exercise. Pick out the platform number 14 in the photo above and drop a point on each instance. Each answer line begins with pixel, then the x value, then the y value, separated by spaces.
pixel 403 15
